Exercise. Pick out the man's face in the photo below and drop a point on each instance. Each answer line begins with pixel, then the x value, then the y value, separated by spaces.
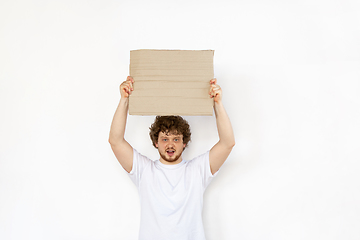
pixel 170 147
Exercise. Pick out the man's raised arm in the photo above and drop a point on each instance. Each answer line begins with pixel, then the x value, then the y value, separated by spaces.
pixel 223 147
pixel 121 148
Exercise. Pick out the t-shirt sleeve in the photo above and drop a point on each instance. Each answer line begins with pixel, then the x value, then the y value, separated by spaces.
pixel 203 163
pixel 140 162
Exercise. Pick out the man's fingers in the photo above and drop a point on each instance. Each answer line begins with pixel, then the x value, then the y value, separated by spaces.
pixel 130 81
pixel 125 89
pixel 214 93
pixel 214 88
pixel 129 78
pixel 213 81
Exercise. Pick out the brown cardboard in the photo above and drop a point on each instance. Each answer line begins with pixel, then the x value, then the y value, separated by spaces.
pixel 171 82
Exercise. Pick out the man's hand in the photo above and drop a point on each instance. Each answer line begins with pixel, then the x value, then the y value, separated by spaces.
pixel 215 91
pixel 126 87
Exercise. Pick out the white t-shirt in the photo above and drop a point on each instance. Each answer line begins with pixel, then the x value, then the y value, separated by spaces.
pixel 171 197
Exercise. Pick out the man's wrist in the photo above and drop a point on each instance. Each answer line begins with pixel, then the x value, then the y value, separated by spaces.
pixel 124 101
pixel 218 103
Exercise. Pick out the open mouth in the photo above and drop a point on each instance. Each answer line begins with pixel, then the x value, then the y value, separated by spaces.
pixel 170 152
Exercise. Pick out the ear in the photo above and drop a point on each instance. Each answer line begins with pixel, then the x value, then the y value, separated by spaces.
pixel 156 144
pixel 184 145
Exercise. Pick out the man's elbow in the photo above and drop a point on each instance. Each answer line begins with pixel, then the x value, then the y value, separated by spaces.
pixel 232 144
pixel 116 141
pixel 112 141
pixel 228 144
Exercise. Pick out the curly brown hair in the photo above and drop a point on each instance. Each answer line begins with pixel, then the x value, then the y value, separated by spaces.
pixel 170 124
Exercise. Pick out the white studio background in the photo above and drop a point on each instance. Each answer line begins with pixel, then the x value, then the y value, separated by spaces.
pixel 290 73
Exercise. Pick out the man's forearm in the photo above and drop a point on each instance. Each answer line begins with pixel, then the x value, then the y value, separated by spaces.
pixel 117 130
pixel 225 131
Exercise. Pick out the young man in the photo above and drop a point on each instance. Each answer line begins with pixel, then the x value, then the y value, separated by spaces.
pixel 171 189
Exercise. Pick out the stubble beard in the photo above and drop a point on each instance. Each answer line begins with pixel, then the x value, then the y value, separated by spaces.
pixel 171 159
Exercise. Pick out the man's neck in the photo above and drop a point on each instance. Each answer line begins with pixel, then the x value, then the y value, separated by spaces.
pixel 163 161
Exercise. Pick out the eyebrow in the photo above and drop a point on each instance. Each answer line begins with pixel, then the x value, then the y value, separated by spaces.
pixel 176 136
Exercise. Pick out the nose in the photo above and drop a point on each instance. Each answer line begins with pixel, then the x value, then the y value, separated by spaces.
pixel 171 144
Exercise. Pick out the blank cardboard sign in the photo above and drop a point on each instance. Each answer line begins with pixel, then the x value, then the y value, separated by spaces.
pixel 171 82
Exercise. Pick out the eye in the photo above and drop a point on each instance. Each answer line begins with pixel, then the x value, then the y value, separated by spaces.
pixel 164 139
pixel 176 139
